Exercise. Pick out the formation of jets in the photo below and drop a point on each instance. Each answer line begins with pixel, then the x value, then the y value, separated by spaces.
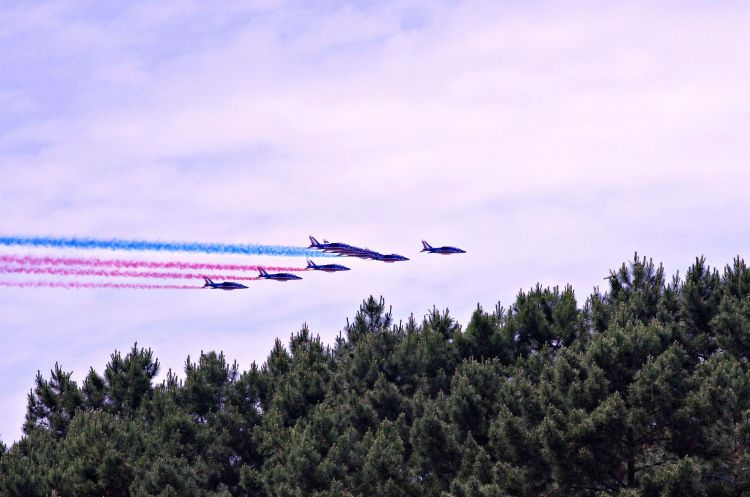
pixel 343 250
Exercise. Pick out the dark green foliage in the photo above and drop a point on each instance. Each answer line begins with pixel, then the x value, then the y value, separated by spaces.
pixel 204 391
pixel 474 400
pixel 635 291
pixel 52 403
pixel 128 380
pixel 643 391
pixel 485 337
pixel 732 321
pixel 543 317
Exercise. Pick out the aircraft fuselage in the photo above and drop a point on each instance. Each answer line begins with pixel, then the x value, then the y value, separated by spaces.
pixel 330 268
pixel 227 285
pixel 281 277
pixel 446 250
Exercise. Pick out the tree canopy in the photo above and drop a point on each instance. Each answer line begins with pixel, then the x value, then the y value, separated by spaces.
pixel 643 389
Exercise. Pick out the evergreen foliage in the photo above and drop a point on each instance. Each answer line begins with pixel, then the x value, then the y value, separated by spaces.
pixel 643 390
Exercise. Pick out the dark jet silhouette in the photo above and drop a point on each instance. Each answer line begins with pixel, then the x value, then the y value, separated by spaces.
pixel 328 268
pixel 278 276
pixel 441 250
pixel 227 285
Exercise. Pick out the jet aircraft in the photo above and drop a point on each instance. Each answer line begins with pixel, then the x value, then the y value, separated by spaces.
pixel 328 268
pixel 377 256
pixel 391 258
pixel 226 285
pixel 346 250
pixel 278 276
pixel 363 254
pixel 370 254
pixel 326 246
pixel 441 250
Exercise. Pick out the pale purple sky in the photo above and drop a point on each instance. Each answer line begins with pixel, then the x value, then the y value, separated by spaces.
pixel 551 140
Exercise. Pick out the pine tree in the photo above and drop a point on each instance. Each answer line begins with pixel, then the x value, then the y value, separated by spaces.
pixel 206 383
pixel 699 299
pixel 384 472
pixel 52 403
pixel 732 319
pixel 474 398
pixel 542 317
pixel 486 337
pixel 436 456
pixel 95 458
pixel 127 380
pixel 371 318
pixel 94 391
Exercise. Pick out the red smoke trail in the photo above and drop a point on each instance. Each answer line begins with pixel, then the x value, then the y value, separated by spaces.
pixel 125 263
pixel 79 285
pixel 115 273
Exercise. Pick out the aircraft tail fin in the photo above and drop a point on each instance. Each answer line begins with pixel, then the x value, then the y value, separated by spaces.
pixel 208 282
pixel 313 242
pixel 310 264
pixel 425 246
pixel 262 272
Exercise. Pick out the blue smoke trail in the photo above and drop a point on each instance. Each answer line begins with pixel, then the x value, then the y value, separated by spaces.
pixel 116 244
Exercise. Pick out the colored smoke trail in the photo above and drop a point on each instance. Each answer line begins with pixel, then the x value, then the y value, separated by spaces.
pixel 115 273
pixel 125 263
pixel 117 244
pixel 79 285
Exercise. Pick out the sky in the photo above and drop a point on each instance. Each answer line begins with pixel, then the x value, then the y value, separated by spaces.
pixel 551 140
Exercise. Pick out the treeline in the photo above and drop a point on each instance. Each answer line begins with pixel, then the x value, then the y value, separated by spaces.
pixel 642 390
